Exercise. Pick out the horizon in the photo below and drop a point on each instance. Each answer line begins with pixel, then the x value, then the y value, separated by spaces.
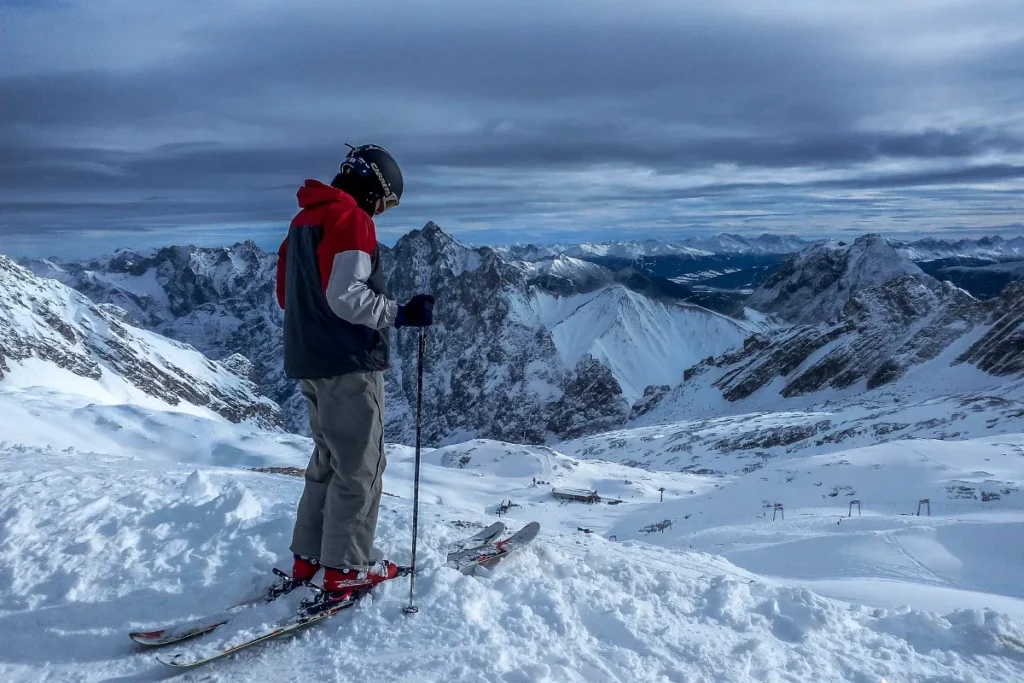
pixel 270 244
pixel 157 123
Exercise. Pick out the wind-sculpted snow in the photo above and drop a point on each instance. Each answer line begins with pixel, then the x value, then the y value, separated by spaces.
pixel 43 320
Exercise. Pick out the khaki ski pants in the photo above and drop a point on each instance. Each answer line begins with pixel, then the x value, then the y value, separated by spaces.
pixel 337 515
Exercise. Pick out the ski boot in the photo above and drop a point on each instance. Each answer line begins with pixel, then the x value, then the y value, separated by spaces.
pixel 303 571
pixel 347 585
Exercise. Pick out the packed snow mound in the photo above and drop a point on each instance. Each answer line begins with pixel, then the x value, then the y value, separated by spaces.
pixel 53 336
pixel 569 608
pixel 815 284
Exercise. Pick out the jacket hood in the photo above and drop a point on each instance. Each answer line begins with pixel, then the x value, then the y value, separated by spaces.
pixel 314 192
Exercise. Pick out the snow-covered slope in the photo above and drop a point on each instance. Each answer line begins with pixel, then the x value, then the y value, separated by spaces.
pixel 567 275
pixel 53 337
pixel 908 339
pixel 642 342
pixel 573 608
pixel 116 533
pixel 815 284
pixel 956 458
pixel 745 442
pixel 220 301
pixel 528 352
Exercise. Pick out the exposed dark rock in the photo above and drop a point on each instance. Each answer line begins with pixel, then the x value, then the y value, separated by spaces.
pixel 1001 350
pixel 46 320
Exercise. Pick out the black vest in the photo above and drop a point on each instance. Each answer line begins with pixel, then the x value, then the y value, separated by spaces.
pixel 317 343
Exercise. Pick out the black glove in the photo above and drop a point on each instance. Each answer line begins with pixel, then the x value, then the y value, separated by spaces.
pixel 419 312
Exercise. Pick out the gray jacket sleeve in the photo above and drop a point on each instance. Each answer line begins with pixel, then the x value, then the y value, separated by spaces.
pixel 349 296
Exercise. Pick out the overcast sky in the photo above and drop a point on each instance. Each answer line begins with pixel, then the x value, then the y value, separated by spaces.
pixel 128 123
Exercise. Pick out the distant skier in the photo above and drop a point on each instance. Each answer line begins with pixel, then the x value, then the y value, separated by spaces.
pixel 336 343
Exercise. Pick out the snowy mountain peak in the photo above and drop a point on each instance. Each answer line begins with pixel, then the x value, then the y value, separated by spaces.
pixel 990 248
pixel 701 246
pixel 419 252
pixel 815 284
pixel 434 236
pixel 55 337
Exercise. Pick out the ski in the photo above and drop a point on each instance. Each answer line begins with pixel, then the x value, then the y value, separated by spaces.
pixel 195 627
pixel 175 633
pixel 301 619
pixel 492 553
pixel 485 555
pixel 477 541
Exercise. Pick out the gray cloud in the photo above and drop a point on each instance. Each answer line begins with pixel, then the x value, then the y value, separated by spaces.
pixel 548 117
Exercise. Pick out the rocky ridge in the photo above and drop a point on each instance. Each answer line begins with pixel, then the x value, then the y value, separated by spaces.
pixel 45 320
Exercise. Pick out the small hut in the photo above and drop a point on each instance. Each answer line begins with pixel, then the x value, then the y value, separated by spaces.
pixel 576 495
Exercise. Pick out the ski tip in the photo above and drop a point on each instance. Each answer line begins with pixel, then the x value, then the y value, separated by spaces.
pixel 146 637
pixel 527 533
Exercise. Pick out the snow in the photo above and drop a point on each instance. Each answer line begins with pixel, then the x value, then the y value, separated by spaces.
pixel 642 341
pixel 129 517
pixel 52 337
pixel 119 511
pixel 702 275
pixel 815 284
pixel 995 248
pixel 696 247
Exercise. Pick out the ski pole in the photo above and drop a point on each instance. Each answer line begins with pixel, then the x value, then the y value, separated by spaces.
pixel 412 608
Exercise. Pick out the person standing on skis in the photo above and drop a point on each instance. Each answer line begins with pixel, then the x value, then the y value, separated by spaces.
pixel 337 320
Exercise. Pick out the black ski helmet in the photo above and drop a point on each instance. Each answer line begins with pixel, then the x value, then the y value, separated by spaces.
pixel 376 173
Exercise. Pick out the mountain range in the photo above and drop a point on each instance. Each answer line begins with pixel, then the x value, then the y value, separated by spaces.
pixel 573 343
pixel 53 336
pixel 562 346
pixel 829 486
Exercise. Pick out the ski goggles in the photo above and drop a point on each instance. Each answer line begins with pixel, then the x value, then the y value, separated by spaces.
pixel 390 201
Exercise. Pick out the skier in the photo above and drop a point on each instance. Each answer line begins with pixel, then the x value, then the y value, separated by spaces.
pixel 337 317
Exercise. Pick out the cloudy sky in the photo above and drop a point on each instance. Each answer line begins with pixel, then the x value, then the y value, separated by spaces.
pixel 128 123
